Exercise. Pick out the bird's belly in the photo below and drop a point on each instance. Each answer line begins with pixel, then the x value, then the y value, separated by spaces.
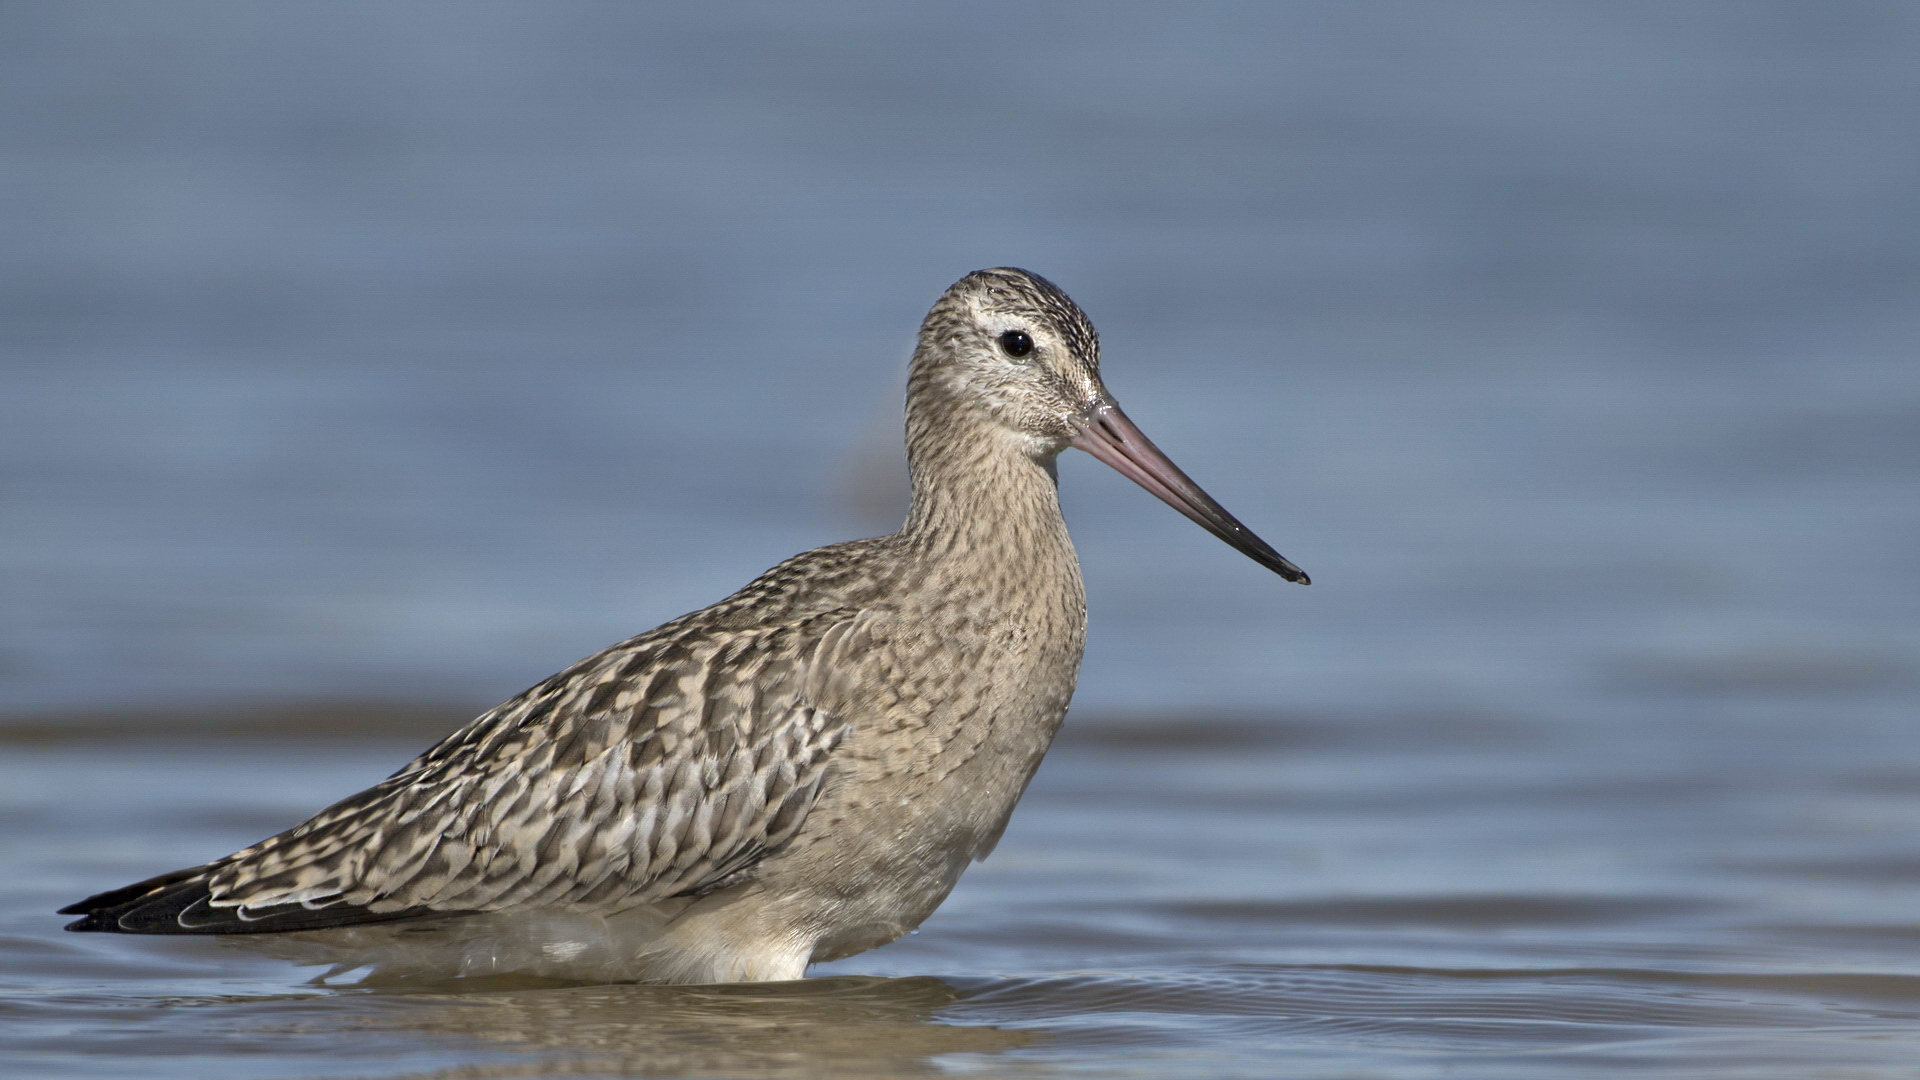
pixel 896 855
pixel 915 798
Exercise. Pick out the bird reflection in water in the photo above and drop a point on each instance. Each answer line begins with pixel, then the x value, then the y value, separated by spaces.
pixel 838 1026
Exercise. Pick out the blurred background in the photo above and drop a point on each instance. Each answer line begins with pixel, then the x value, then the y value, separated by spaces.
pixel 414 351
pixel 365 363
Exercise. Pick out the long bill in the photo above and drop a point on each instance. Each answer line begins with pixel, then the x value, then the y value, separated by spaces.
pixel 1111 437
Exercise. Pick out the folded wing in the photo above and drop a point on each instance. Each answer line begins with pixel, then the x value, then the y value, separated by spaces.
pixel 666 766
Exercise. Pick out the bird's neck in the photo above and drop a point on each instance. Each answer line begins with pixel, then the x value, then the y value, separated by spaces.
pixel 978 493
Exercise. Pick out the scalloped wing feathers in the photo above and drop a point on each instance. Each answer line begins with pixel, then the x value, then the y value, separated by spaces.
pixel 662 767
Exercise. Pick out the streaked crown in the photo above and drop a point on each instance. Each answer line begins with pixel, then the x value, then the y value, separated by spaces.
pixel 1010 342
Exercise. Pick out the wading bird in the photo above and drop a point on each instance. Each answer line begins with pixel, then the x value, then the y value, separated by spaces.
pixel 796 774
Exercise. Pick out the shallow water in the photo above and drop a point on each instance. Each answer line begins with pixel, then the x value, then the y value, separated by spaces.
pixel 366 362
pixel 1271 906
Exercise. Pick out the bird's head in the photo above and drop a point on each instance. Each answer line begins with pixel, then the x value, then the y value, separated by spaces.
pixel 1007 349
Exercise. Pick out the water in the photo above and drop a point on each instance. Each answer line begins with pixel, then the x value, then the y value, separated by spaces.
pixel 1483 904
pixel 365 364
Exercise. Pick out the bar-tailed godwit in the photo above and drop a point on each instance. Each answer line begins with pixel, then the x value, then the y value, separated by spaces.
pixel 796 774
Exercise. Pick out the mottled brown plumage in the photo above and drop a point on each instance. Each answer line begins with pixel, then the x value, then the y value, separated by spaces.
pixel 794 774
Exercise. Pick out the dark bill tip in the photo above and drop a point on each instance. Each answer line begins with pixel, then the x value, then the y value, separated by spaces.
pixel 1111 437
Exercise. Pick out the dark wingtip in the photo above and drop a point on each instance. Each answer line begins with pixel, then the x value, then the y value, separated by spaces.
pixel 122 910
pixel 178 904
pixel 101 908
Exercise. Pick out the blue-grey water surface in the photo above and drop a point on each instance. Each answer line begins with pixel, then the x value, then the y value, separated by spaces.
pixel 365 363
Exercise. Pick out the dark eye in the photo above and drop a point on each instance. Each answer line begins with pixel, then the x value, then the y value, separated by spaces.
pixel 1016 343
